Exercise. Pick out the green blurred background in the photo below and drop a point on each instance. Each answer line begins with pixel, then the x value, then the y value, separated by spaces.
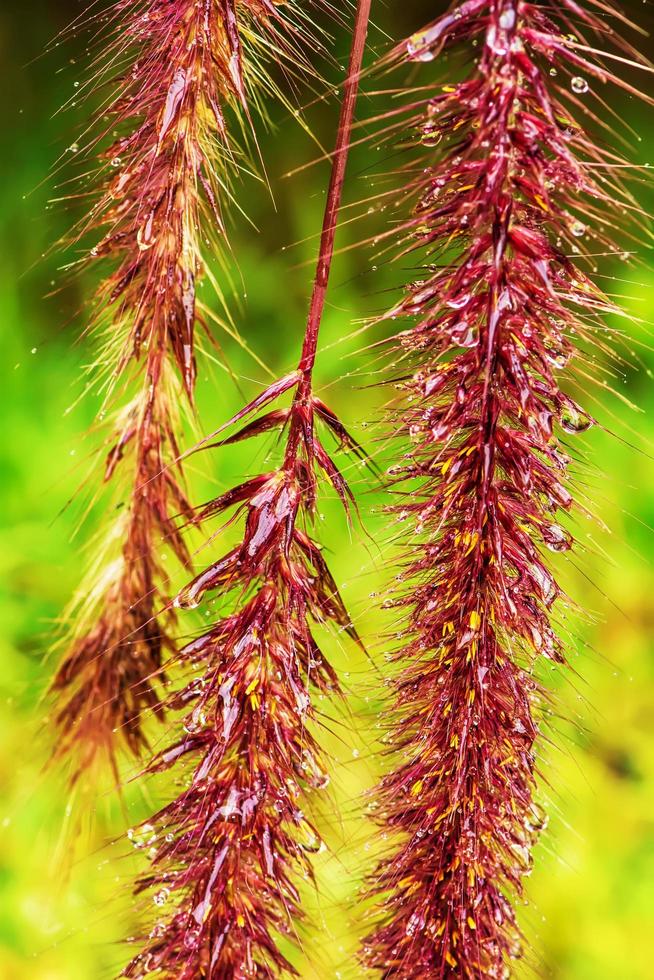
pixel 65 906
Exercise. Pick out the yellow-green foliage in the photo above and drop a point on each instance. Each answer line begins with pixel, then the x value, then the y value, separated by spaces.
pixel 591 909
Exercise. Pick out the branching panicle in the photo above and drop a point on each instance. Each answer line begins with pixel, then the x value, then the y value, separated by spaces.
pixel 501 210
pixel 232 845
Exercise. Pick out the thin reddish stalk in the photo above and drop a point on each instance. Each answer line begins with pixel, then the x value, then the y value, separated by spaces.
pixel 335 191
pixel 229 850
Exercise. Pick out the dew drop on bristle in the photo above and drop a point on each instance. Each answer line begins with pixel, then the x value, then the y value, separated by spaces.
pixel 161 897
pixel 417 50
pixel 573 420
pixel 556 538
pixel 431 137
pixel 195 723
pixel 558 359
pixel 579 85
pixel 142 836
pixel 186 599
pixel 312 844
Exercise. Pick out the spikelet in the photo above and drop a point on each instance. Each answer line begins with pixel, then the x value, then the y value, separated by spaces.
pixel 231 847
pixel 167 179
pixel 508 194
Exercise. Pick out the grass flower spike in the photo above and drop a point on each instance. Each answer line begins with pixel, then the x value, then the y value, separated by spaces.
pixel 167 178
pixel 510 197
pixel 231 847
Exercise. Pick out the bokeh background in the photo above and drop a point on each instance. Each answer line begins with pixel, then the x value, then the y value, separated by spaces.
pixel 65 908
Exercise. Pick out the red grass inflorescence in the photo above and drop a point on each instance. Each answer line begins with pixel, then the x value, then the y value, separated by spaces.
pixel 166 177
pixel 510 199
pixel 229 849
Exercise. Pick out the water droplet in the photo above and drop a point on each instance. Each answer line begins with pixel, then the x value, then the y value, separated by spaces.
pixel 459 302
pixel 573 420
pixel 161 896
pixel 140 836
pixel 558 359
pixel 578 228
pixel 579 85
pixel 507 19
pixel 186 599
pixel 312 844
pixel 556 538
pixel 195 723
pixel 417 49
pixel 431 137
pixel 537 820
pixel 546 584
pixel 465 334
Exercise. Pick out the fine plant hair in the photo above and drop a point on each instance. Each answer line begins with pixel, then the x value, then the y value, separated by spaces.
pixel 506 198
pixel 178 74
pixel 228 852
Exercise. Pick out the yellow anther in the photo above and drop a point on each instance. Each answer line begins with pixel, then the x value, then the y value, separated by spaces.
pixel 474 538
